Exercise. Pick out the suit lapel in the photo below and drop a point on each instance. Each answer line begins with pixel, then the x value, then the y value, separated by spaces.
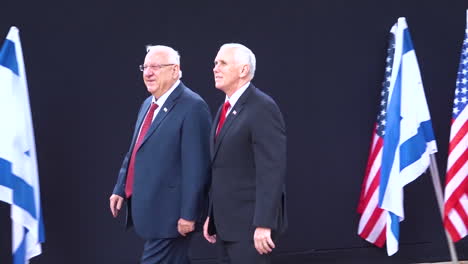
pixel 164 111
pixel 141 117
pixel 231 118
pixel 213 131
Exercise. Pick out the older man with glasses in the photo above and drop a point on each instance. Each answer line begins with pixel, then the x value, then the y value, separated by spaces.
pixel 164 175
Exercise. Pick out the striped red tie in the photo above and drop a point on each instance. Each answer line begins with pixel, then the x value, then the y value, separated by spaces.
pixel 131 167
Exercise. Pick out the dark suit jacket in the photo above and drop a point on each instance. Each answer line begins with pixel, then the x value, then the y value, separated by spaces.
pixel 248 169
pixel 171 167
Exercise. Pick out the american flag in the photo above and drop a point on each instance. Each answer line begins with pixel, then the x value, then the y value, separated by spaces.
pixel 373 218
pixel 456 186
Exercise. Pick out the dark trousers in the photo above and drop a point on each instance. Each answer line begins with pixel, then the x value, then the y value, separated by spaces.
pixel 166 251
pixel 240 252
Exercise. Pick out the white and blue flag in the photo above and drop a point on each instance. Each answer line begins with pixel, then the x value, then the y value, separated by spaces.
pixel 19 182
pixel 408 136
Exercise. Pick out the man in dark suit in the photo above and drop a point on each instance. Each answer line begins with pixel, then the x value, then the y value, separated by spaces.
pixel 165 175
pixel 248 155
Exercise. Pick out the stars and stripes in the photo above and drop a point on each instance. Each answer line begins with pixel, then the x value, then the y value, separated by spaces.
pixel 456 182
pixel 373 219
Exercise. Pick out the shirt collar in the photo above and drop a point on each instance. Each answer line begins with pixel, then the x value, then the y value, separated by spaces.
pixel 236 95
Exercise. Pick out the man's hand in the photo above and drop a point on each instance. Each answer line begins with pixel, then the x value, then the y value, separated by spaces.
pixel 115 204
pixel 262 240
pixel 211 239
pixel 184 226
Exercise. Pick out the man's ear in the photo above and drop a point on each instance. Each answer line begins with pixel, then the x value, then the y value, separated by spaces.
pixel 245 70
pixel 175 71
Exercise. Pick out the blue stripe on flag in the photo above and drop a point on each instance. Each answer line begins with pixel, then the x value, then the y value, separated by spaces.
pixel 391 137
pixel 41 228
pixel 19 256
pixel 8 56
pixel 412 149
pixel 407 43
pixel 395 225
pixel 23 194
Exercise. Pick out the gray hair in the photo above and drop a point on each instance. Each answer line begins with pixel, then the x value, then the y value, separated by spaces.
pixel 243 55
pixel 173 55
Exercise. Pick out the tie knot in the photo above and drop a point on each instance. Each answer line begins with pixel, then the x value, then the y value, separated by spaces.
pixel 153 107
pixel 226 105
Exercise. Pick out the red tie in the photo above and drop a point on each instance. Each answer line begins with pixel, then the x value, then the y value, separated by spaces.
pixel 222 118
pixel 131 167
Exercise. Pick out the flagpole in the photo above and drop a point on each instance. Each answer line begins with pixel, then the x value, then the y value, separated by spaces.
pixel 440 202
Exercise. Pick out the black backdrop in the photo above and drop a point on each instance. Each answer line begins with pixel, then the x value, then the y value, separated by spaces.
pixel 323 62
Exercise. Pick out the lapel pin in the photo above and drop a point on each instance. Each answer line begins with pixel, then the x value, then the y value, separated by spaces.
pixel 234 112
pixel 165 109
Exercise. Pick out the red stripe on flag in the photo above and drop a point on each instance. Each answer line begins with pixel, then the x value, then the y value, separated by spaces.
pixel 381 240
pixel 373 154
pixel 457 165
pixel 372 188
pixel 456 195
pixel 461 212
pixel 366 194
pixel 458 137
pixel 452 230
pixel 371 223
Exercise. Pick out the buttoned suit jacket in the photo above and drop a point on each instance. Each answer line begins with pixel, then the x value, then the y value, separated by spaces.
pixel 171 165
pixel 248 169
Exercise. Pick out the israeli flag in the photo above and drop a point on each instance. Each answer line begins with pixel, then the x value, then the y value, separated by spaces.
pixel 409 138
pixel 19 183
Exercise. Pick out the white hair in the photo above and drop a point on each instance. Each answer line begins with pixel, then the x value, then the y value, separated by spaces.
pixel 244 55
pixel 172 54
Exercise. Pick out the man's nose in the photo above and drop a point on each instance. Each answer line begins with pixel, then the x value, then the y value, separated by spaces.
pixel 148 72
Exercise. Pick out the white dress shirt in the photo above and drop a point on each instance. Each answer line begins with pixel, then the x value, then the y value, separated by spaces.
pixel 235 97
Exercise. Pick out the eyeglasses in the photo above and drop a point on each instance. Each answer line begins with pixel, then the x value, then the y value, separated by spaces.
pixel 153 67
